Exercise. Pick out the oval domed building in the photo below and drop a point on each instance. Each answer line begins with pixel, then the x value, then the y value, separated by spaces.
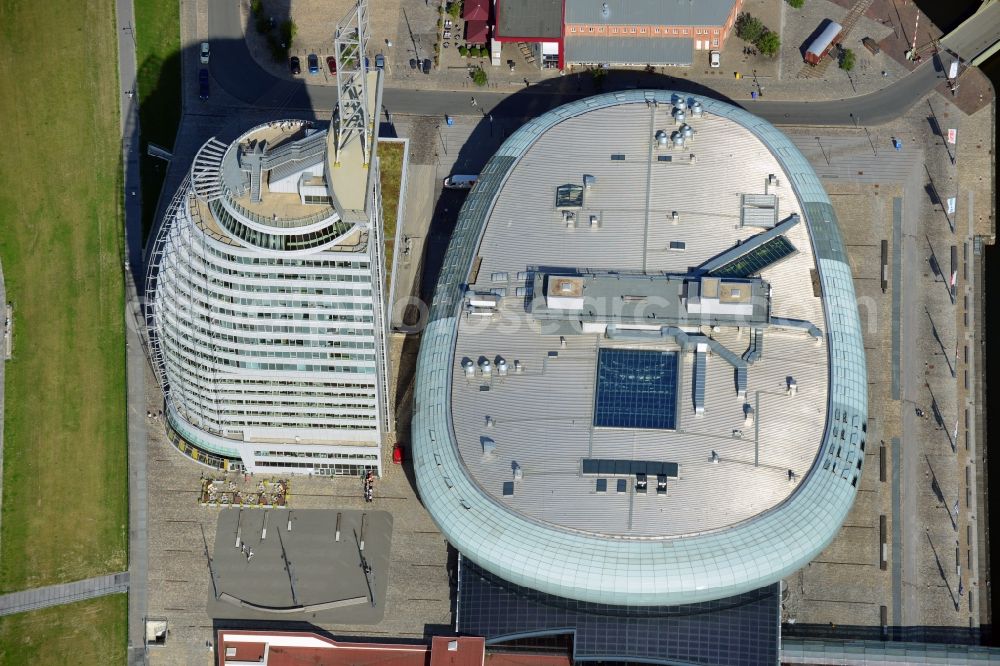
pixel 641 397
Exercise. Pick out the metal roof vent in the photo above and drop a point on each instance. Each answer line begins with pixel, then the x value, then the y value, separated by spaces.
pixel 715 458
pixel 489 446
pixel 485 367
pixel 686 130
pixel 680 103
pixel 662 139
pixel 470 367
pixel 747 415
pixel 697 109
pixel 518 367
pixel 605 12
pixel 518 473
pixel 589 181
pixel 792 386
pixel 678 140
pixel 501 367
pixel 679 116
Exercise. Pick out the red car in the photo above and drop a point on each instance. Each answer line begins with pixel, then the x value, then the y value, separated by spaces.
pixel 331 63
pixel 398 453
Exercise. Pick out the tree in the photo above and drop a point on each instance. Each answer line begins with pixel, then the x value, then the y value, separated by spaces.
pixel 288 32
pixel 455 8
pixel 846 59
pixel 484 52
pixel 797 4
pixel 749 28
pixel 463 50
pixel 768 43
pixel 479 76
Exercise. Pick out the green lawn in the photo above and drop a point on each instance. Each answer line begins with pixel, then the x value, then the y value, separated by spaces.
pixel 65 501
pixel 158 44
pixel 390 157
pixel 87 632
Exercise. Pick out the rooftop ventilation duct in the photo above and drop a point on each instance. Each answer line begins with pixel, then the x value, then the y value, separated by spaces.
pixel 485 367
pixel 686 130
pixel 697 109
pixel 501 367
pixel 679 116
pixel 678 140
pixel 589 181
pixel 662 139
pixel 470 367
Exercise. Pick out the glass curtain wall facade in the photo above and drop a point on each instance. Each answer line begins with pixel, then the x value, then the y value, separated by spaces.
pixel 270 359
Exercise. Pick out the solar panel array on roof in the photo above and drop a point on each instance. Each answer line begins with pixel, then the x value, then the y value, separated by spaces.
pixel 736 630
pixel 756 259
pixel 618 467
pixel 636 389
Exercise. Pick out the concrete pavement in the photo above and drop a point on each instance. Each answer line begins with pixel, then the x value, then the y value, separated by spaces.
pixel 65 593
pixel 977 34
pixel 135 357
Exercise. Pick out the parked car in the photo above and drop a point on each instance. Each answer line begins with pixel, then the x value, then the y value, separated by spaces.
pixel 331 64
pixel 295 65
pixel 714 59
pixel 203 84
pixel 379 61
pixel 398 453
pixel 427 65
pixel 313 62
pixel 203 56
pixel 460 182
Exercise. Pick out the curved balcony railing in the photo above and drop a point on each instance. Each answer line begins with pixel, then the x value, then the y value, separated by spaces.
pixel 283 223
pixel 291 242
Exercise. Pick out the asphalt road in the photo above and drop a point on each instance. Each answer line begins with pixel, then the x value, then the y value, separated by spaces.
pixel 235 70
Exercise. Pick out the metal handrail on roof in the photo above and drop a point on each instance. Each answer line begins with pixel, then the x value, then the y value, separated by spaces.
pixel 281 222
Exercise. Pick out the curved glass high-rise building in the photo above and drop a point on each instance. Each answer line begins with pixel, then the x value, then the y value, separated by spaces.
pixel 266 305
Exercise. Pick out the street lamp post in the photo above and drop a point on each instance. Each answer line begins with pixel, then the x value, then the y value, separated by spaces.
pixel 444 144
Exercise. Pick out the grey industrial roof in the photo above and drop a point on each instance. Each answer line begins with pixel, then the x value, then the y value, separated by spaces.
pixel 720 529
pixel 586 50
pixel 529 19
pixel 649 12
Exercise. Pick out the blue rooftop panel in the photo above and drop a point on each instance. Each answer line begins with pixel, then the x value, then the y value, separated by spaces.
pixel 636 389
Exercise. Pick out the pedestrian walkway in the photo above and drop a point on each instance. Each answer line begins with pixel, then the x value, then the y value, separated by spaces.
pixel 67 593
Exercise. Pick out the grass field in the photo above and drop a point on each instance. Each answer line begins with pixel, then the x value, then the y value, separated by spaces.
pixel 390 156
pixel 65 504
pixel 158 54
pixel 87 632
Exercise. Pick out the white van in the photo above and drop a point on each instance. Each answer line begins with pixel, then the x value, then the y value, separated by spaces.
pixel 460 182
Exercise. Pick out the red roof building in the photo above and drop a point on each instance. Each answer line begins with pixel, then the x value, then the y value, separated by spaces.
pixel 476 10
pixel 477 32
pixel 293 648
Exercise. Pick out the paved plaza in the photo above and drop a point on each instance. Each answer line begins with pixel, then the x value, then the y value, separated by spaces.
pixel 285 565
